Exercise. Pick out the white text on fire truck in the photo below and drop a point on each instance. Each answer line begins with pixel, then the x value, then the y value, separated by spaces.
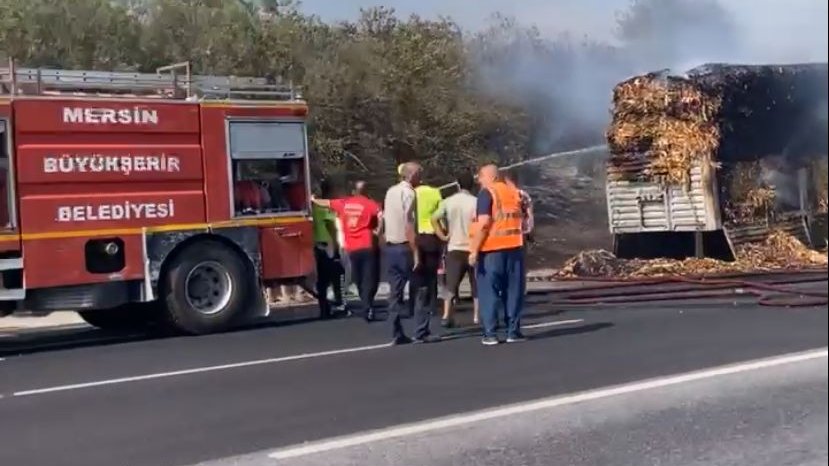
pixel 123 211
pixel 125 164
pixel 103 116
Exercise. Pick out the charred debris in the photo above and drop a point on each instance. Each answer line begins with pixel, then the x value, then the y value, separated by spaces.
pixel 756 125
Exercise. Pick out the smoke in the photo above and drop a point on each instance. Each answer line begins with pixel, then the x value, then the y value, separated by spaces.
pixel 565 79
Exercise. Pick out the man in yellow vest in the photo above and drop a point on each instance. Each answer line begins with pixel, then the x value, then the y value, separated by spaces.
pixel 497 252
pixel 429 249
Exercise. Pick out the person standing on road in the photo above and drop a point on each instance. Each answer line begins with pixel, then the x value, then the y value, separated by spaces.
pixel 326 253
pixel 497 252
pixel 359 216
pixel 400 227
pixel 452 223
pixel 527 214
pixel 429 249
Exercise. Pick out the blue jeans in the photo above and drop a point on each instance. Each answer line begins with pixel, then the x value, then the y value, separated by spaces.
pixel 501 283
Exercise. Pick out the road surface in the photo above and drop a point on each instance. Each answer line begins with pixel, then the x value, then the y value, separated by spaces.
pixel 249 397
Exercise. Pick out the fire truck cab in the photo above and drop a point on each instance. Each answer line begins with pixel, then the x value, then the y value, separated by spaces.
pixel 143 198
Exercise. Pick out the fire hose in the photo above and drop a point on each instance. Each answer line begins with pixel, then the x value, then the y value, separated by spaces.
pixel 768 293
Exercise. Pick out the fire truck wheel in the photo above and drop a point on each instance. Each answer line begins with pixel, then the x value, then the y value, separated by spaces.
pixel 206 289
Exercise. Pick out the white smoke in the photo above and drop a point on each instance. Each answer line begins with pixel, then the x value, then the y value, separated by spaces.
pixel 570 80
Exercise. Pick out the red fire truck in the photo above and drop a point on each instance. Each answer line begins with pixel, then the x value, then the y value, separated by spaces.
pixel 138 198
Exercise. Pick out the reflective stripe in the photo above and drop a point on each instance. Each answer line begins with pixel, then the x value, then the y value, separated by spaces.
pixel 516 231
pixel 508 215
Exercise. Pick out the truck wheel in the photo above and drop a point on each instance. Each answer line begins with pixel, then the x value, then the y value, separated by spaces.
pixel 206 289
pixel 129 317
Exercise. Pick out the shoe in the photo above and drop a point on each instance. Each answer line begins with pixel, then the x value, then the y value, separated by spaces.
pixel 401 340
pixel 447 323
pixel 339 308
pixel 490 341
pixel 516 339
pixel 427 339
pixel 370 316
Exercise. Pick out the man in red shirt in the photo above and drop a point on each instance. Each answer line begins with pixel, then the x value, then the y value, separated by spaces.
pixel 360 219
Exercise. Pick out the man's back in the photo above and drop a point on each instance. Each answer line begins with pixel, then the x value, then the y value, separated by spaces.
pixel 428 200
pixel 398 211
pixel 458 211
pixel 358 215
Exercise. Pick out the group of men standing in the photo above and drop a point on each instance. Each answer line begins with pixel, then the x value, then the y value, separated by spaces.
pixel 480 237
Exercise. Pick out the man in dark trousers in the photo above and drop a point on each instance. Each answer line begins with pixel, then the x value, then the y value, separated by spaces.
pixel 360 219
pixel 400 228
pixel 329 269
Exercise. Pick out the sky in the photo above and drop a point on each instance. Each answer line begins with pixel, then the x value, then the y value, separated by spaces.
pixel 779 30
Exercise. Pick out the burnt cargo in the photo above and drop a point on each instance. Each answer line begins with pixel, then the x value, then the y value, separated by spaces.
pixel 721 146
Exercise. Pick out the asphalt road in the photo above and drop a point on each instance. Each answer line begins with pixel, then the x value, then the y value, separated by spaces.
pixel 773 416
pixel 182 401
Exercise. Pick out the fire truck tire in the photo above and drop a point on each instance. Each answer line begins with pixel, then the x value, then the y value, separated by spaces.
pixel 207 288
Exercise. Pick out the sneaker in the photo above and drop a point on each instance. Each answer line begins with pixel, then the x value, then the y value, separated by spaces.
pixel 490 341
pixel 401 340
pixel 516 339
pixel 447 323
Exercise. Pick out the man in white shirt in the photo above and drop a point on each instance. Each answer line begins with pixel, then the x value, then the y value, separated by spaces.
pixel 451 222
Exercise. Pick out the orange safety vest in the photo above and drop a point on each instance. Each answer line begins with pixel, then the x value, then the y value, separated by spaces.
pixel 506 230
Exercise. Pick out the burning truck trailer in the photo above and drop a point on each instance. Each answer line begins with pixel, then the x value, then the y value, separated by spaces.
pixel 719 160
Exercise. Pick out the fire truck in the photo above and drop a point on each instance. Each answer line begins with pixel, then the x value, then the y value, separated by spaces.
pixel 150 198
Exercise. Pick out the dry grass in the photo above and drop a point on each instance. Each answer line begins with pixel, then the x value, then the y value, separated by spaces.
pixel 779 251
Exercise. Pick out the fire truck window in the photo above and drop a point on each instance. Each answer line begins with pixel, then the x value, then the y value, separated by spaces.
pixel 266 140
pixel 268 186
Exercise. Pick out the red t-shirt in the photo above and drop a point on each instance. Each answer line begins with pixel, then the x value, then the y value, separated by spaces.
pixel 358 217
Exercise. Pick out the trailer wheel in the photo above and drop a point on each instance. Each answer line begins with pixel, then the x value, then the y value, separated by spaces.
pixel 206 288
pixel 126 318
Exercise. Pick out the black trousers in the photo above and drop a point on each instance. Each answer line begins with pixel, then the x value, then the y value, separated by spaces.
pixel 329 271
pixel 399 262
pixel 425 279
pixel 365 272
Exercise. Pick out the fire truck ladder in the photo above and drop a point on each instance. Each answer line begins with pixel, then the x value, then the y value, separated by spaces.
pixel 168 82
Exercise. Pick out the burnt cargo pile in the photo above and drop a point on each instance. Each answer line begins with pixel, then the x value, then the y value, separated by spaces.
pixel 718 114
pixel 752 138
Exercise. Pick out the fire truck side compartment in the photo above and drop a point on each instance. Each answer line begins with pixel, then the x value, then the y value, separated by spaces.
pixel 78 180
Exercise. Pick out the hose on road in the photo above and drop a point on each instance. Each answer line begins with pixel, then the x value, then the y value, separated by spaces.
pixel 772 293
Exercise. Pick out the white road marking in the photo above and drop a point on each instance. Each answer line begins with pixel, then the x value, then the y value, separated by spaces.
pixel 551 324
pixel 537 405
pixel 198 370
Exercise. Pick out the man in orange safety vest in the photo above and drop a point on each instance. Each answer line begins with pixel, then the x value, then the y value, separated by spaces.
pixel 497 253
